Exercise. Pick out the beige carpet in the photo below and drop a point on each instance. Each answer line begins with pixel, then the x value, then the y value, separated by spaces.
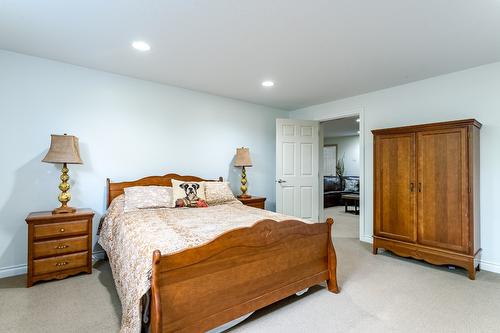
pixel 346 225
pixel 380 293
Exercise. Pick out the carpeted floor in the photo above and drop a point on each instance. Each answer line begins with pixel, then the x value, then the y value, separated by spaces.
pixel 382 293
pixel 346 225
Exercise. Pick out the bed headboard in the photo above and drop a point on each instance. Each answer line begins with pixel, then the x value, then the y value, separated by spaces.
pixel 115 189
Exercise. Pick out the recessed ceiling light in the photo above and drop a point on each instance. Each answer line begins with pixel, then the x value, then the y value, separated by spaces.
pixel 141 45
pixel 267 83
pixel 359 132
pixel 357 120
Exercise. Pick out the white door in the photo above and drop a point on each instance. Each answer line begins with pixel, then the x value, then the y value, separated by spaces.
pixel 297 148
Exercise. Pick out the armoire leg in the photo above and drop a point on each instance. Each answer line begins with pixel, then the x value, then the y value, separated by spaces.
pixel 472 271
pixel 375 250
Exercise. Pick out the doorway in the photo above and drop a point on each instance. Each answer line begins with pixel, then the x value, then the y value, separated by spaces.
pixel 340 170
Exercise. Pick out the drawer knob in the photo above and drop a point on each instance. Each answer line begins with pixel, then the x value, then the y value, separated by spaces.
pixel 61 263
pixel 62 230
pixel 58 247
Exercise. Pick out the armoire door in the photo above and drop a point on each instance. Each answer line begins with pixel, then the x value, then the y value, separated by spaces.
pixel 443 189
pixel 395 211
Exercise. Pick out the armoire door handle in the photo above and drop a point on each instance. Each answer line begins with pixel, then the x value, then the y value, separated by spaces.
pixel 419 187
pixel 412 187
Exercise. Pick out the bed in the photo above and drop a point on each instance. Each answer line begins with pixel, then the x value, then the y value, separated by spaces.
pixel 204 267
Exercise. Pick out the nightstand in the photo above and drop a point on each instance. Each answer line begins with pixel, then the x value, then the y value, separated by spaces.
pixel 257 202
pixel 59 245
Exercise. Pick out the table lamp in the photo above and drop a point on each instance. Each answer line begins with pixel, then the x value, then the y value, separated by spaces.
pixel 243 160
pixel 63 150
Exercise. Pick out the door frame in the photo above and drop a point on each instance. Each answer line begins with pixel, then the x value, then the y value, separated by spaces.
pixel 350 113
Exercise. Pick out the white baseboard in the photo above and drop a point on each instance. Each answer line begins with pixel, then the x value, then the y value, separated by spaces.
pixel 98 255
pixel 13 270
pixel 22 269
pixel 366 239
pixel 490 266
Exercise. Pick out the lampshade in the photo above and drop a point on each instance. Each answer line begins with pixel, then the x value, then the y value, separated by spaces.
pixel 242 158
pixel 63 149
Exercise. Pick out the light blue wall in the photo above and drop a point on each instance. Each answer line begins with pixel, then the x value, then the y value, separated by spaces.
pixel 347 146
pixel 472 93
pixel 128 129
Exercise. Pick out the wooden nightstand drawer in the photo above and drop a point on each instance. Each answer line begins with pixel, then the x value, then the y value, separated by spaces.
pixel 61 229
pixel 60 246
pixel 59 263
pixel 257 202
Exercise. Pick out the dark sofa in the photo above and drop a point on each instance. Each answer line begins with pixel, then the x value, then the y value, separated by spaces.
pixel 334 187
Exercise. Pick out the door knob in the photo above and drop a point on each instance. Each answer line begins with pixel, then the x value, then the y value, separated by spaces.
pixel 279 181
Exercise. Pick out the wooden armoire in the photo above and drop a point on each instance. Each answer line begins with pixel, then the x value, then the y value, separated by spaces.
pixel 426 192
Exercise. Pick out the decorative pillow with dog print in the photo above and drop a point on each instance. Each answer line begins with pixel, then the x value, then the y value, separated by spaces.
pixel 218 193
pixel 143 197
pixel 189 194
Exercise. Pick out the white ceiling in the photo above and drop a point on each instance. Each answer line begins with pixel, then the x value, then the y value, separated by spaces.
pixel 315 51
pixel 340 127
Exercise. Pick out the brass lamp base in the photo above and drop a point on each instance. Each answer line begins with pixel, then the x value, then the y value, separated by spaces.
pixel 64 210
pixel 64 196
pixel 243 187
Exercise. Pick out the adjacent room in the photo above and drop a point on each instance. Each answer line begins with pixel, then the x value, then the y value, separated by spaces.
pixel 249 166
pixel 341 174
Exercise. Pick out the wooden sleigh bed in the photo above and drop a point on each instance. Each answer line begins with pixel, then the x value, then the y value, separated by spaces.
pixel 242 270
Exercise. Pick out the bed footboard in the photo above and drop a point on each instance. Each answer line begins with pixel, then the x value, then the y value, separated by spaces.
pixel 239 272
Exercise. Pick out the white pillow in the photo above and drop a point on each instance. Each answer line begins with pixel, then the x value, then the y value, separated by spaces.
pixel 141 197
pixel 218 193
pixel 188 191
